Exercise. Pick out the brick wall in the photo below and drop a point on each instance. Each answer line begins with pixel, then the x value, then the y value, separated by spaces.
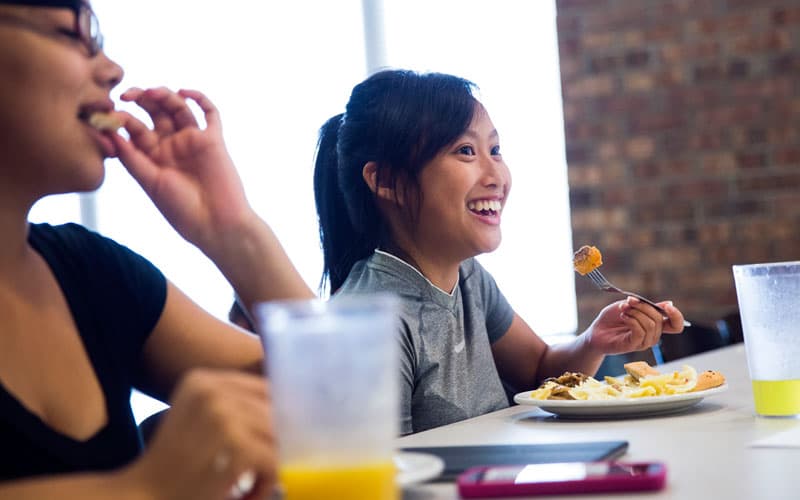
pixel 682 124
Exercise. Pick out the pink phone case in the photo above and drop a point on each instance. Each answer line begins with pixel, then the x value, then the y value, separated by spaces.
pixel 488 481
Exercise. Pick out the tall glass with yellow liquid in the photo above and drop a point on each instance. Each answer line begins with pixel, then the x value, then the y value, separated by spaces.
pixel 366 481
pixel 334 376
pixel 769 304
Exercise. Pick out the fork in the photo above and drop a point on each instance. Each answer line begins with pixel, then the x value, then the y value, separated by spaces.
pixel 605 285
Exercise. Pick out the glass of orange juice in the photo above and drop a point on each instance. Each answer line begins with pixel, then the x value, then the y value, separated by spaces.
pixel 769 304
pixel 333 370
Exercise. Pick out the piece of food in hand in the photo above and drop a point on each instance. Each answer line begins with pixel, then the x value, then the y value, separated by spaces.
pixel 587 259
pixel 708 380
pixel 105 121
pixel 639 370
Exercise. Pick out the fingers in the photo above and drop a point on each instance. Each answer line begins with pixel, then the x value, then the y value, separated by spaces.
pixel 218 430
pixel 209 109
pixel 169 110
pixel 675 318
pixel 645 321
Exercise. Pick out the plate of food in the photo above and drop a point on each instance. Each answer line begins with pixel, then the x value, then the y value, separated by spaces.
pixel 642 391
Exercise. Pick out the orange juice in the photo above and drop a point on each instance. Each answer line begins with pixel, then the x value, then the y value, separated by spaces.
pixel 777 397
pixel 372 481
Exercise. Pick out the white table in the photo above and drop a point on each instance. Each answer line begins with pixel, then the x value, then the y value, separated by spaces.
pixel 706 448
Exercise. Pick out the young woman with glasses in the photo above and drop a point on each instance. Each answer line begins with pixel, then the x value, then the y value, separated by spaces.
pixel 85 319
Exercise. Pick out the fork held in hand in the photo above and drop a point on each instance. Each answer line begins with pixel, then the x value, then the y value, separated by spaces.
pixel 605 285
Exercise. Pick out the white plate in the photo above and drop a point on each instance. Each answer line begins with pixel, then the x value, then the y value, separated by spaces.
pixel 414 468
pixel 635 407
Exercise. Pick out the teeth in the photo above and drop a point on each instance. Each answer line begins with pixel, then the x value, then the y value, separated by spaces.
pixel 481 205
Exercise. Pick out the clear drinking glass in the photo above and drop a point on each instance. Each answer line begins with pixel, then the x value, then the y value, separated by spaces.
pixel 769 304
pixel 333 370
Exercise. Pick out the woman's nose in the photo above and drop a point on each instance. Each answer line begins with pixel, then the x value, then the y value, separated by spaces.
pixel 109 73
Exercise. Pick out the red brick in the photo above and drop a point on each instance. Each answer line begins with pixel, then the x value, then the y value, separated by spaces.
pixel 646 123
pixel 707 140
pixel 709 26
pixel 770 182
pixel 749 43
pixel 715 233
pixel 785 64
pixel 680 52
pixel 720 162
pixel 589 87
pixel 660 212
pixel 638 82
pixel 580 5
pixel 689 189
pixel 767 88
pixel 632 38
pixel 603 64
pixel 784 16
pixel 637 58
pixel 787 156
pixel 598 41
pixel 751 160
pixel 734 208
pixel 568 23
pixel 605 218
pixel 639 148
pixel 747 136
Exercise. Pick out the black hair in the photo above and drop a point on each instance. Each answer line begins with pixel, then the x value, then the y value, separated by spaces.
pixel 68 4
pixel 398 119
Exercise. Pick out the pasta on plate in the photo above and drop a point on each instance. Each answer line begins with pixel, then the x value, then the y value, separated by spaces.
pixel 640 381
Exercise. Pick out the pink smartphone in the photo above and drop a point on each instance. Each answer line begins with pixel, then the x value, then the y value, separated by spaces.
pixel 560 479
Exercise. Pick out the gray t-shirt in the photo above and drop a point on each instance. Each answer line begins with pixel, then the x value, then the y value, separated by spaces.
pixel 447 369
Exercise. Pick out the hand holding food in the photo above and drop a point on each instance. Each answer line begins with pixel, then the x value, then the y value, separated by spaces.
pixel 641 381
pixel 183 168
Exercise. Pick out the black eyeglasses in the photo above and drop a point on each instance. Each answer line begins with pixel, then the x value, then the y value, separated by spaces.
pixel 87 27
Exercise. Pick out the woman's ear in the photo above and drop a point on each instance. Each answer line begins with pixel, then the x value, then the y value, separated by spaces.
pixel 378 185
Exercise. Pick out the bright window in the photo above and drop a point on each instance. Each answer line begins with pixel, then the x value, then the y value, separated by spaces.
pixel 278 70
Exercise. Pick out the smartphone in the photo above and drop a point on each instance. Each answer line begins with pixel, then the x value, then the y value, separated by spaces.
pixel 560 478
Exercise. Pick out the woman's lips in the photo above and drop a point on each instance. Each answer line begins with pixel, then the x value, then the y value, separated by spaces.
pixel 105 143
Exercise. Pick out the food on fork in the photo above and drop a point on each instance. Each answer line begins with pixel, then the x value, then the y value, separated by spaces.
pixel 640 381
pixel 105 121
pixel 587 259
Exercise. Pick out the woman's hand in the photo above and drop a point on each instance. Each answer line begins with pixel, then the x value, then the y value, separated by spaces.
pixel 217 431
pixel 632 325
pixel 184 169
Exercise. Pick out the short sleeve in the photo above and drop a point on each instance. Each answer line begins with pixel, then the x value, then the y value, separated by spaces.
pixel 116 294
pixel 407 383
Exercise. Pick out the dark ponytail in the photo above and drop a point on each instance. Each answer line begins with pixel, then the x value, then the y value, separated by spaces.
pixel 398 119
pixel 342 245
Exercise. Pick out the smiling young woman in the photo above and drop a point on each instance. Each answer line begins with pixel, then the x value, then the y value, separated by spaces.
pixel 85 319
pixel 411 186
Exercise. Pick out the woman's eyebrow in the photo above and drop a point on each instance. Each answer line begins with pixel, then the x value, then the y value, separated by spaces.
pixel 472 134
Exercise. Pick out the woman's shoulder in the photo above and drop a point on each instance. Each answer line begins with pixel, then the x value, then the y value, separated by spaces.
pixel 69 234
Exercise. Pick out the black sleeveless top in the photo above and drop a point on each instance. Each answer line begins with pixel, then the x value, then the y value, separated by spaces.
pixel 116 298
